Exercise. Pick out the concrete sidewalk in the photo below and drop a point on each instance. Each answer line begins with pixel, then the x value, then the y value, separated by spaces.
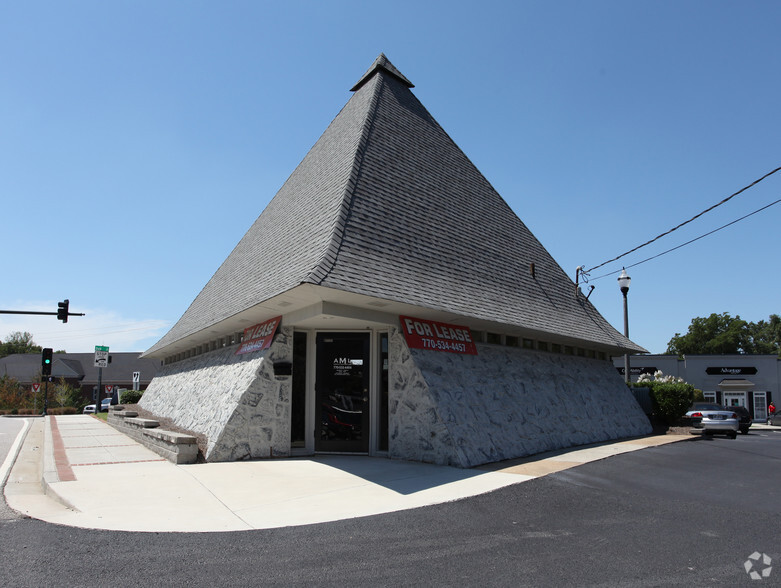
pixel 76 470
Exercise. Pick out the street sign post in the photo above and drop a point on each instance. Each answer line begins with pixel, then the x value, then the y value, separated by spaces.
pixel 101 361
pixel 36 389
pixel 136 380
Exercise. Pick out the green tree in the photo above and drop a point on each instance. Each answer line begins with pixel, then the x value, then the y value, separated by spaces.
pixel 765 336
pixel 13 395
pixel 722 333
pixel 716 334
pixel 18 342
pixel 63 394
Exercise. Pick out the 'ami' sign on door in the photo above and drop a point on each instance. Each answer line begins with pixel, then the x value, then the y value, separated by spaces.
pixel 425 334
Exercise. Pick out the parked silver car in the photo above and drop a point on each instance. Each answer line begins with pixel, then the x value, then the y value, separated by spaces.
pixel 716 420
pixel 104 404
pixel 689 420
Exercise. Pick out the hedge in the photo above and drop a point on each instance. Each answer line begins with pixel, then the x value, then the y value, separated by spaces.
pixel 671 401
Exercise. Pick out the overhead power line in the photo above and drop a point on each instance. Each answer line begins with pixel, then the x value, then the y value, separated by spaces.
pixel 107 329
pixel 97 334
pixel 737 220
pixel 754 183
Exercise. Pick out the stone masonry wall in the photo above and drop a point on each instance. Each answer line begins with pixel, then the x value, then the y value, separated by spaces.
pixel 445 408
pixel 234 400
pixel 504 403
pixel 416 429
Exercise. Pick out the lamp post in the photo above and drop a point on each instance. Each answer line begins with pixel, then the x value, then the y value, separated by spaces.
pixel 623 282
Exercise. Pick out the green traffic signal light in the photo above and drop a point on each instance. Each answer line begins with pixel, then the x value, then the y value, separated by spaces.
pixel 46 361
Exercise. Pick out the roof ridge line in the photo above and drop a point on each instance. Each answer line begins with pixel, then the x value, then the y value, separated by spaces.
pixel 327 260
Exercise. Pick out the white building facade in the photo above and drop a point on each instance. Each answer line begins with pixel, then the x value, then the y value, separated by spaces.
pixel 733 380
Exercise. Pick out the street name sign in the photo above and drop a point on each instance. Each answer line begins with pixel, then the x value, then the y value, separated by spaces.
pixel 101 356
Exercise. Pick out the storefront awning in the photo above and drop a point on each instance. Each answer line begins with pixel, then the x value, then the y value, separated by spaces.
pixel 736 384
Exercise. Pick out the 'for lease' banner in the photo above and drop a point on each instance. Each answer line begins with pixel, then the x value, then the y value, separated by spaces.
pixel 258 337
pixel 425 334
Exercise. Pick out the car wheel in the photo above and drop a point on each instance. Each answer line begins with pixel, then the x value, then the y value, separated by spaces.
pixel 732 434
pixel 744 430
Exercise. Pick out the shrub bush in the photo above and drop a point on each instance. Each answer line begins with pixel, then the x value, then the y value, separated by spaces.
pixel 671 401
pixel 131 396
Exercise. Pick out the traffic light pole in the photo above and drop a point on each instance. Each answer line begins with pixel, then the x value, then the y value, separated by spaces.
pixel 46 371
pixel 25 312
pixel 45 396
pixel 39 312
pixel 62 313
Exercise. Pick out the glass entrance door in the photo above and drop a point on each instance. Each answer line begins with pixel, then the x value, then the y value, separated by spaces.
pixel 734 399
pixel 342 392
pixel 760 406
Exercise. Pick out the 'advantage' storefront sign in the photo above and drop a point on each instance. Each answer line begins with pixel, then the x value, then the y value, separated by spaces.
pixel 425 334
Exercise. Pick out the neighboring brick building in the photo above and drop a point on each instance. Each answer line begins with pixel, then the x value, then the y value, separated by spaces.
pixel 409 313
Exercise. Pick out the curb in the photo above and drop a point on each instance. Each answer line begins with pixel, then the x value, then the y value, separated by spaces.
pixel 13 453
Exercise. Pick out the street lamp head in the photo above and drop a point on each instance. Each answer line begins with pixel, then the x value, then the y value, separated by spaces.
pixel 623 281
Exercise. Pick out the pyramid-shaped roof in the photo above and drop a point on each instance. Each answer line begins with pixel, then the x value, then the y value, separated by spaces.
pixel 386 205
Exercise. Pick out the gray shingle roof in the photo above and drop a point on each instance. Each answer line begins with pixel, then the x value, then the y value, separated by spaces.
pixel 385 204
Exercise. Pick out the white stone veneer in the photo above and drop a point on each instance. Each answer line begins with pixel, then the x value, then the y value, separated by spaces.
pixel 445 408
pixel 465 410
pixel 234 400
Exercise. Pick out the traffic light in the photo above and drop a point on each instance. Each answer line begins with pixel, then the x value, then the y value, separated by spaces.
pixel 46 361
pixel 62 310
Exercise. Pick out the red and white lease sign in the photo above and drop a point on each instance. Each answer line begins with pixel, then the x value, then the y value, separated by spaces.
pixel 425 334
pixel 259 336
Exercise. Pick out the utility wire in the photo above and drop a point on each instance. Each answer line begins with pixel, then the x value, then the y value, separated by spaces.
pixel 150 324
pixel 754 183
pixel 692 240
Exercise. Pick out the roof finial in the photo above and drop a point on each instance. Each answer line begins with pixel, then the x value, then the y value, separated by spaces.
pixel 382 63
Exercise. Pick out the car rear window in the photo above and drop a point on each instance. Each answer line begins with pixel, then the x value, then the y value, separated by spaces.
pixel 706 406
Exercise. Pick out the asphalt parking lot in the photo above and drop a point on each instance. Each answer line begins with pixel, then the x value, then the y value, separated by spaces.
pixel 687 513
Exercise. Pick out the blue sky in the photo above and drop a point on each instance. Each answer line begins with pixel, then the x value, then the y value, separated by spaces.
pixel 141 139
